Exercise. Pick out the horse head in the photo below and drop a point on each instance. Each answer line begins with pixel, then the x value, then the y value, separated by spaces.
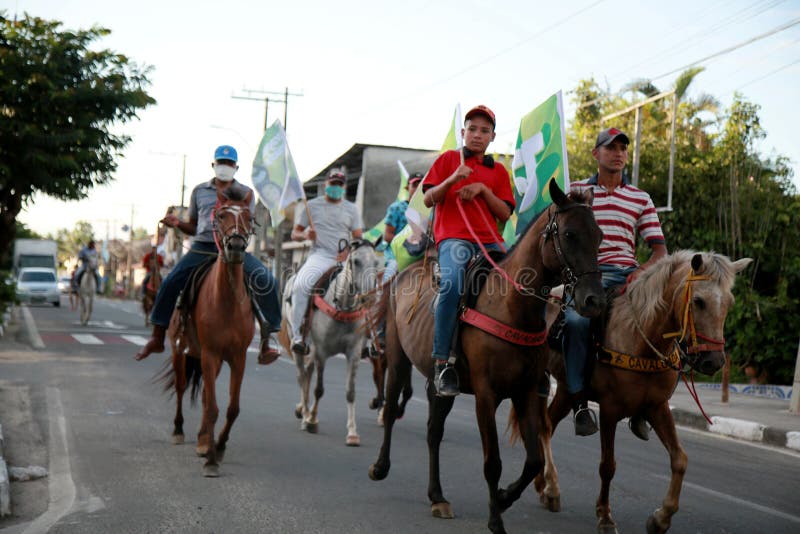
pixel 575 240
pixel 363 263
pixel 700 304
pixel 233 222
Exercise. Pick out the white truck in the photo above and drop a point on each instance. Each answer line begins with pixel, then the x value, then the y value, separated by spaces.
pixel 35 253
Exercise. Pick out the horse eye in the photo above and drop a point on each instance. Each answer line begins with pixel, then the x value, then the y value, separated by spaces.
pixel 569 234
pixel 700 303
pixel 358 263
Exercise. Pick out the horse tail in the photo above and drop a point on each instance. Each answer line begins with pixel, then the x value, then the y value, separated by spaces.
pixel 513 427
pixel 194 376
pixel 166 377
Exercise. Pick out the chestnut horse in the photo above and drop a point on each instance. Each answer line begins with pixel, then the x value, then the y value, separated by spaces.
pixel 670 317
pixel 217 328
pixel 562 243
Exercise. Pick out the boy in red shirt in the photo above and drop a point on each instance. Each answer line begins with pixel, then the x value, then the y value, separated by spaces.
pixel 484 189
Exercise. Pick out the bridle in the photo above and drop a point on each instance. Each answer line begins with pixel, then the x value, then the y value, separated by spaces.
pixel 358 299
pixel 550 232
pixel 242 228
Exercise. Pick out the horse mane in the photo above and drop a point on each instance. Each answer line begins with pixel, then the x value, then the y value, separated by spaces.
pixel 236 192
pixel 577 197
pixel 647 291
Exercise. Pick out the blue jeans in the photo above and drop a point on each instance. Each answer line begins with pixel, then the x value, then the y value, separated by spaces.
pixel 577 334
pixel 261 281
pixel 80 272
pixel 454 255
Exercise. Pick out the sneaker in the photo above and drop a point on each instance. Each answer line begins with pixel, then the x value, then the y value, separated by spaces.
pixel 299 346
pixel 639 427
pixel 585 421
pixel 445 379
pixel 269 350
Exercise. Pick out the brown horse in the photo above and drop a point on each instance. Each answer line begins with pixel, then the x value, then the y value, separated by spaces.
pixel 561 244
pixel 150 289
pixel 218 327
pixel 671 316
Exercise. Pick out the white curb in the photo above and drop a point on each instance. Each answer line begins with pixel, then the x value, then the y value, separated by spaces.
pixel 793 440
pixel 5 489
pixel 737 428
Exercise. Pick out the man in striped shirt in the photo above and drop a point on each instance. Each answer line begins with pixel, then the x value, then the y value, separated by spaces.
pixel 622 211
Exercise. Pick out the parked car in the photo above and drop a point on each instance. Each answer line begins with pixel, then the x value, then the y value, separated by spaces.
pixel 64 283
pixel 37 285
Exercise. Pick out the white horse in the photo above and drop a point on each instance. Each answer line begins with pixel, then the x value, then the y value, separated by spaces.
pixel 349 294
pixel 87 290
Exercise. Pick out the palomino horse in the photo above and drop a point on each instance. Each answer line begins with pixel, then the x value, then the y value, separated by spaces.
pixel 217 327
pixel 87 290
pixel 150 289
pixel 337 326
pixel 561 244
pixel 671 316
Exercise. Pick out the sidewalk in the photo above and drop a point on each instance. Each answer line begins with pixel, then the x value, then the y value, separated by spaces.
pixel 747 417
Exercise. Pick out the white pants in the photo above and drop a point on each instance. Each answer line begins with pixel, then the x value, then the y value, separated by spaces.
pixel 315 266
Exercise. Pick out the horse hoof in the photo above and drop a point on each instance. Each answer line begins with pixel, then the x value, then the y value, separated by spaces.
pixel 374 404
pixel 312 428
pixel 442 510
pixel 201 450
pixel 652 527
pixel 177 439
pixel 380 417
pixel 353 441
pixel 298 412
pixel 606 528
pixel 553 503
pixel 376 473
pixel 211 471
pixel 220 456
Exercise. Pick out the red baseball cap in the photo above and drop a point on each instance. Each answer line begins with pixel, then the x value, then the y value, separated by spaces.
pixel 481 110
pixel 608 135
pixel 415 178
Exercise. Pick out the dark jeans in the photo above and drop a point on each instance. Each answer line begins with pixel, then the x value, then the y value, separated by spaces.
pixel 262 283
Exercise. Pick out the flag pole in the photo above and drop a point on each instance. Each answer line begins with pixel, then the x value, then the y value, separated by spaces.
pixel 308 214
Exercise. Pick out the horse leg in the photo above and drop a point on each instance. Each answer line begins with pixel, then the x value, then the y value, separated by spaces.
pixel 352 439
pixel 205 437
pixel 664 425
pixel 529 417
pixel 179 368
pixel 237 373
pixel 407 392
pixel 379 378
pixel 312 424
pixel 608 466
pixel 546 482
pixel 398 371
pixel 303 380
pixel 438 409
pixel 485 407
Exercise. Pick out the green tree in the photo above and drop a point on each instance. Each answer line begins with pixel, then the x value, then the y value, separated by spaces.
pixel 59 102
pixel 71 241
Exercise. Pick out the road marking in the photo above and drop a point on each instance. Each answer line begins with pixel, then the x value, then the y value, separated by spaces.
pixel 136 340
pixel 61 485
pixel 736 500
pixel 87 339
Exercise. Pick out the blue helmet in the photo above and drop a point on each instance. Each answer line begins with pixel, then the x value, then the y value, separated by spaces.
pixel 226 152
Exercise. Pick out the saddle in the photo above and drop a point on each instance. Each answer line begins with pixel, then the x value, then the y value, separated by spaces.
pixel 320 288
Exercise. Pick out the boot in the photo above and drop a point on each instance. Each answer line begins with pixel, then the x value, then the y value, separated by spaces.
pixel 154 344
pixel 268 351
pixel 445 379
pixel 639 427
pixel 299 346
pixel 585 418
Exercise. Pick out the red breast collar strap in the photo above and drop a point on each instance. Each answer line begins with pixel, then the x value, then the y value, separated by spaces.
pixel 501 330
pixel 338 315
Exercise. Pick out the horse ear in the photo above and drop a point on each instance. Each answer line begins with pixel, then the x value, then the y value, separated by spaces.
pixel 697 262
pixel 558 196
pixel 740 265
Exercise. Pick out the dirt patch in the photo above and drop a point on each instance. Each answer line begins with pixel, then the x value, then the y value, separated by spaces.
pixel 24 445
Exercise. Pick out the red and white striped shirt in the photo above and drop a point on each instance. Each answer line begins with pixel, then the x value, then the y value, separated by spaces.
pixel 620 214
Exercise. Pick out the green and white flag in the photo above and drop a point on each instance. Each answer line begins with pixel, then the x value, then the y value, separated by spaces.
pixel 274 176
pixel 540 156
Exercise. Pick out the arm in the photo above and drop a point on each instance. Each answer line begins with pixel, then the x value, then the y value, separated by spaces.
pixel 388 233
pixel 659 251
pixel 436 194
pixel 172 221
pixel 301 233
pixel 358 233
pixel 499 208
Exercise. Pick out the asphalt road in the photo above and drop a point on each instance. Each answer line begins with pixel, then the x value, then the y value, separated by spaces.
pixel 105 426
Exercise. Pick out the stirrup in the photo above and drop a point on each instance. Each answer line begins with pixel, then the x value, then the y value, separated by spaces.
pixel 639 427
pixel 445 380
pixel 585 421
pixel 300 347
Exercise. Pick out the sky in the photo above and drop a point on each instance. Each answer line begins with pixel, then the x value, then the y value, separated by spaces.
pixel 391 73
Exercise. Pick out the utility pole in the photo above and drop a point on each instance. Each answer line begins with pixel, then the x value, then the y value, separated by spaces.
pixel 285 93
pixel 131 290
pixel 183 179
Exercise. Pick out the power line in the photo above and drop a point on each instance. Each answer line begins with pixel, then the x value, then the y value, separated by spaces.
pixel 486 60
pixel 703 60
pixel 767 75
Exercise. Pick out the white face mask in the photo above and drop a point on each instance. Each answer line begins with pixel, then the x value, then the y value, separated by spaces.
pixel 224 173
